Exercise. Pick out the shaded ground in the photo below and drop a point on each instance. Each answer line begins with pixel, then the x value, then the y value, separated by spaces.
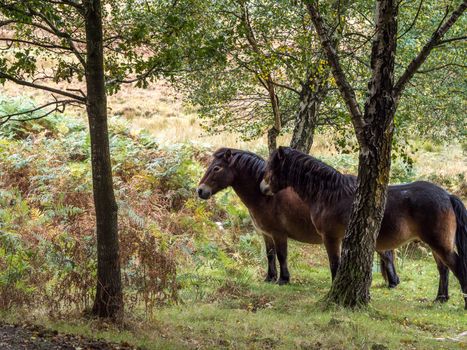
pixel 32 337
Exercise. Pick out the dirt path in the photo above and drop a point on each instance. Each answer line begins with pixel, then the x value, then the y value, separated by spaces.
pixel 31 337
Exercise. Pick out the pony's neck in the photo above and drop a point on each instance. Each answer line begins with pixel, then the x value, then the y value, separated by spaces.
pixel 318 184
pixel 247 188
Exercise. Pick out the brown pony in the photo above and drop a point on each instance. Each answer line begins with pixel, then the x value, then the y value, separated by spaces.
pixel 277 218
pixel 418 210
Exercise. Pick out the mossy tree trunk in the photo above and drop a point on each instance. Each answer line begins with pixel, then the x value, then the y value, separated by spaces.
pixel 351 286
pixel 374 130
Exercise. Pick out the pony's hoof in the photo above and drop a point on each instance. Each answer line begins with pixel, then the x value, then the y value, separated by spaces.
pixel 270 279
pixel 441 299
pixel 394 284
pixel 283 281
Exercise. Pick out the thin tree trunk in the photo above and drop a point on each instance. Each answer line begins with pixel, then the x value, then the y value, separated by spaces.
pixel 109 299
pixel 351 286
pixel 306 117
pixel 272 139
pixel 276 129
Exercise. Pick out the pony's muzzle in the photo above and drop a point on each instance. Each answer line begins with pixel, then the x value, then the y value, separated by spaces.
pixel 204 191
pixel 265 189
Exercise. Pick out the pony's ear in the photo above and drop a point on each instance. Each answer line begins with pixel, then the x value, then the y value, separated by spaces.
pixel 281 152
pixel 228 155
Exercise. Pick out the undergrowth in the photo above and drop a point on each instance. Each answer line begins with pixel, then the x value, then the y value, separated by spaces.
pixel 47 240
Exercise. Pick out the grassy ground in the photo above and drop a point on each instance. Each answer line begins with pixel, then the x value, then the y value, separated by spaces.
pixel 242 312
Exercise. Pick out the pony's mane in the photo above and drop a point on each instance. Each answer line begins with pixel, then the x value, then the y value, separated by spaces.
pixel 244 161
pixel 311 178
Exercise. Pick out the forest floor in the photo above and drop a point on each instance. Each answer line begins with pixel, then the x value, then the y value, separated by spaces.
pixel 34 337
pixel 243 312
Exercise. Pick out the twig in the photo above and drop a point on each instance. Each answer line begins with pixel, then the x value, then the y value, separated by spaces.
pixel 59 107
pixel 443 27
pixel 42 87
pixel 413 22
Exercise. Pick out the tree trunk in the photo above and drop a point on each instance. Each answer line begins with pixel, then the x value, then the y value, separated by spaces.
pixel 306 118
pixel 272 139
pixel 109 299
pixel 276 129
pixel 351 286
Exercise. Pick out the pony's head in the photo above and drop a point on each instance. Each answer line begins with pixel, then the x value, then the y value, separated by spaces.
pixel 273 181
pixel 219 174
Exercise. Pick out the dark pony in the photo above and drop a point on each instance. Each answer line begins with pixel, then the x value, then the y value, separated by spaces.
pixel 277 218
pixel 415 211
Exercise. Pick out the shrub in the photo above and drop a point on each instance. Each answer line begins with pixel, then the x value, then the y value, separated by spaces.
pixel 48 248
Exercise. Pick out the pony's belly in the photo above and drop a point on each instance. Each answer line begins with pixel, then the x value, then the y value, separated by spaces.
pixel 305 237
pixel 397 231
pixel 300 235
pixel 394 241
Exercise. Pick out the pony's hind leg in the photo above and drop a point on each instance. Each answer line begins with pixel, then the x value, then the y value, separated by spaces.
pixel 454 263
pixel 271 255
pixel 443 293
pixel 388 270
pixel 281 250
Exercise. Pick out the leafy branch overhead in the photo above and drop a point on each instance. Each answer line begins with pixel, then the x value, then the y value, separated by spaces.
pixel 406 53
pixel 46 47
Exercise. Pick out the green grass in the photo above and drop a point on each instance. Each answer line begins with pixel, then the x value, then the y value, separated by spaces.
pixel 242 312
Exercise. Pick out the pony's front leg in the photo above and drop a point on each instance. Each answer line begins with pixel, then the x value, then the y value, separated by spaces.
pixel 333 249
pixel 271 256
pixel 281 249
pixel 388 270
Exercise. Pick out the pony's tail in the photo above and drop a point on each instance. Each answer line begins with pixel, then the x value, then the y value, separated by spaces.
pixel 461 235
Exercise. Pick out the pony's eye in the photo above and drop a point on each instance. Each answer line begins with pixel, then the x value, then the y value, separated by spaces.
pixel 217 169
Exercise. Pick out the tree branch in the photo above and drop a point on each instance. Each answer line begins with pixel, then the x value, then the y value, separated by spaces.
pixel 345 88
pixel 61 34
pixel 42 87
pixel 287 87
pixel 4 23
pixel 428 70
pixel 34 43
pixel 425 51
pixel 413 22
pixel 31 23
pixel 450 40
pixel 59 106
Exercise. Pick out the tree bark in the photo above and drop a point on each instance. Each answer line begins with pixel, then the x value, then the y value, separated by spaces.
pixel 108 302
pixel 272 139
pixel 351 286
pixel 307 116
pixel 276 129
